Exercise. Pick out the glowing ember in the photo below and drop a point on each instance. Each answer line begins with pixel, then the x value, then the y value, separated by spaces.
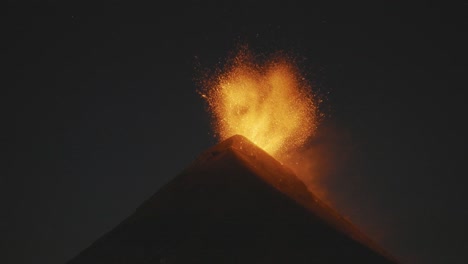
pixel 267 102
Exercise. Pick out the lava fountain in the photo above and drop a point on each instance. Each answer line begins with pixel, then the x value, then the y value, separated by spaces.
pixel 269 102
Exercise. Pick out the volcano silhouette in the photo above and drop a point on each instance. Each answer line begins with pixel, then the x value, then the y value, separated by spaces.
pixel 234 204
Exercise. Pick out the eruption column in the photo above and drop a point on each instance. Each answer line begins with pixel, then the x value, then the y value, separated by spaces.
pixel 267 102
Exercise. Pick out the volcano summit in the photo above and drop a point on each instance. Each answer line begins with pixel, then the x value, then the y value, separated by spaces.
pixel 234 204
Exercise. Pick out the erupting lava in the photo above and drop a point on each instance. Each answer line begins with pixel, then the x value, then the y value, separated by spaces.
pixel 268 102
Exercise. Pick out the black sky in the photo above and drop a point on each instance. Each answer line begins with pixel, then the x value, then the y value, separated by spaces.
pixel 100 110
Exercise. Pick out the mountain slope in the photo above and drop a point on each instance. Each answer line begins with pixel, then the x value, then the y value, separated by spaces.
pixel 234 204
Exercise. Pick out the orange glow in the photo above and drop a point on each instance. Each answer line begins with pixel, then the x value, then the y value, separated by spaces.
pixel 268 102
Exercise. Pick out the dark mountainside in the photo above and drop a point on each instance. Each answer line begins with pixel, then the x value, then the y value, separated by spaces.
pixel 234 204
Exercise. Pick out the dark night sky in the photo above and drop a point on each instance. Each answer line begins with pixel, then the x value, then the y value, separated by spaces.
pixel 100 110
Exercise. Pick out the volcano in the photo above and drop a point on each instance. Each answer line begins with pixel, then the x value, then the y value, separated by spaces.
pixel 234 204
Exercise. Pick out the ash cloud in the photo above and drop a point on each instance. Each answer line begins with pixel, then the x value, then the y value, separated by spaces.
pixel 330 165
